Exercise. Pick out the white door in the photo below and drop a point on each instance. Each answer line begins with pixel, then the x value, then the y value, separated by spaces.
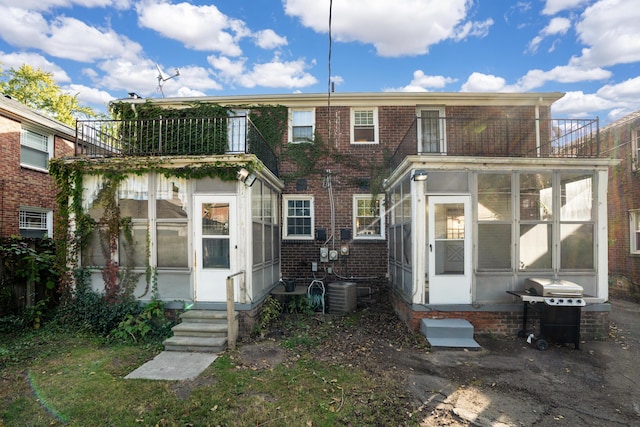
pixel 449 250
pixel 214 245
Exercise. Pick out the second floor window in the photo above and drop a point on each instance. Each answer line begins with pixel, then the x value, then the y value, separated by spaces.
pixel 302 125
pixel 298 217
pixel 364 125
pixel 35 149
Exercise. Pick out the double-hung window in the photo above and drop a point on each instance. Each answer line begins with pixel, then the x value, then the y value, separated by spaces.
pixel 364 126
pixel 634 230
pixel 368 216
pixel 36 148
pixel 635 149
pixel 302 124
pixel 298 217
pixel 36 222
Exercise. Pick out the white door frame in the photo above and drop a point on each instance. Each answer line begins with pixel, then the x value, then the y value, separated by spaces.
pixel 210 281
pixel 449 275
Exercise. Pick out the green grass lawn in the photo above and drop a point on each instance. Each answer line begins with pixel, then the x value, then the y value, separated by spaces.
pixel 52 377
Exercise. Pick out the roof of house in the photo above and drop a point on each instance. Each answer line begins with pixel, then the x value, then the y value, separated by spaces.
pixel 622 121
pixel 16 110
pixel 365 99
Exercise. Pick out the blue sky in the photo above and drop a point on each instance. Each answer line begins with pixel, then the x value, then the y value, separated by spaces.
pixel 103 49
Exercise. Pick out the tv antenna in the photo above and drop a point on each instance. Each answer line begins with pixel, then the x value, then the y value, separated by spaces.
pixel 162 79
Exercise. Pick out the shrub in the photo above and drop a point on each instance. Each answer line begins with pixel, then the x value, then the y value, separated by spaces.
pixel 87 309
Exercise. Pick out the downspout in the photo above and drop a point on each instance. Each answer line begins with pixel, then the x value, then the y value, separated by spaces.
pixel 537 121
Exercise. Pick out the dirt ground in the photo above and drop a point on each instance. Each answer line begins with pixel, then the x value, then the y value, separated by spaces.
pixel 506 383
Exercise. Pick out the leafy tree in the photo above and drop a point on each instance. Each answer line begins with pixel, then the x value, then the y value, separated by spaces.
pixel 37 89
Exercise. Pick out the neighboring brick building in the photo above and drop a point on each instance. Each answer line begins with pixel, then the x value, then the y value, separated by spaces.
pixel 28 139
pixel 621 140
pixel 447 200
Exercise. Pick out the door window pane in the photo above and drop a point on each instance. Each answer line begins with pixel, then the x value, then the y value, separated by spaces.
pixel 215 219
pixel 449 238
pixel 215 253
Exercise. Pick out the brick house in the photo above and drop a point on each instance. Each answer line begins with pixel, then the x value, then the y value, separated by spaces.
pixel 27 192
pixel 621 140
pixel 446 200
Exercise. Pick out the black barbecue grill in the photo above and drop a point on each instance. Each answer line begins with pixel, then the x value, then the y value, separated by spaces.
pixel 559 304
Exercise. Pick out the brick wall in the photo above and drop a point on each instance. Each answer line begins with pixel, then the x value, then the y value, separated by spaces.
pixel 623 196
pixel 594 325
pixel 22 186
pixel 350 165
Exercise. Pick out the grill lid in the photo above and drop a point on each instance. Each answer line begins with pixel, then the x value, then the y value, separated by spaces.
pixel 553 288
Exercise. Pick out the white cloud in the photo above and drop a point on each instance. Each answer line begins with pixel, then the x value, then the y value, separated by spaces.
pixel 405 27
pixel 188 92
pixel 289 74
pixel 627 92
pixel 578 104
pixel 478 82
pixel 43 5
pixel 17 59
pixel 554 6
pixel 562 74
pixel 89 95
pixel 228 68
pixel 423 83
pixel 63 37
pixel 277 73
pixel 141 77
pixel 268 39
pixel 614 100
pixel 557 26
pixel 610 30
pixel 475 29
pixel 197 27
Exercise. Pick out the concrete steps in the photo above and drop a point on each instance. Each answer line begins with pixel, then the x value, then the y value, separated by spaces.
pixel 451 333
pixel 203 331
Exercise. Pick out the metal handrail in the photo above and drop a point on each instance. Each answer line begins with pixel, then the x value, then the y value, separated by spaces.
pixel 232 327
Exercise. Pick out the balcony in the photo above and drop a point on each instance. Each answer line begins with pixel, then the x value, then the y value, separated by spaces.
pixel 499 137
pixel 173 137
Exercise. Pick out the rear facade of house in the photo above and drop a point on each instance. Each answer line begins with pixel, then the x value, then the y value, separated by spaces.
pixel 621 140
pixel 442 202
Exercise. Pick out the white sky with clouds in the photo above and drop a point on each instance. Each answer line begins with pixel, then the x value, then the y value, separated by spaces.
pixel 103 49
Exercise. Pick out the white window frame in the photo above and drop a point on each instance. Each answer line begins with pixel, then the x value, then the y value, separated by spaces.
pixel 634 231
pixel 292 124
pixel 635 149
pixel 285 216
pixel 25 143
pixel 381 217
pixel 376 127
pixel 45 214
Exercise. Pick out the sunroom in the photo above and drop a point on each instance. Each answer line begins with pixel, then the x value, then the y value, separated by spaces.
pixel 466 228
